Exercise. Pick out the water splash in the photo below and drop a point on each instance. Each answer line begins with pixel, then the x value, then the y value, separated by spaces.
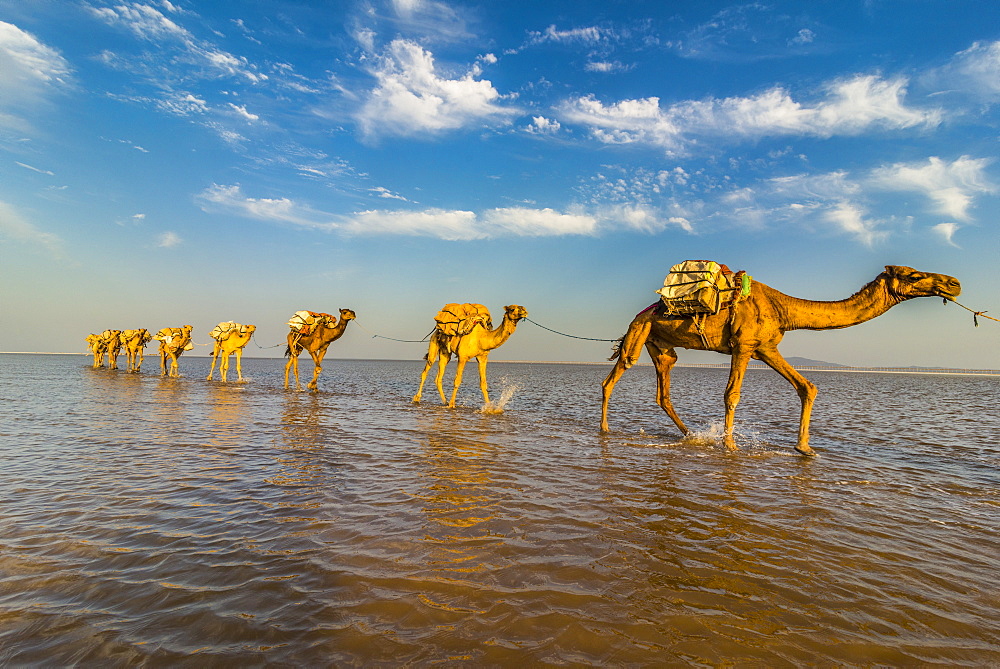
pixel 507 391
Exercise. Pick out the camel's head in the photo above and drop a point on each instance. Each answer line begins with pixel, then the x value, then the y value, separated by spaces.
pixel 187 329
pixel 250 328
pixel 347 315
pixel 906 282
pixel 515 312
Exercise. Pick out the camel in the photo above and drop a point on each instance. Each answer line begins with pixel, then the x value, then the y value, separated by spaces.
pixel 112 346
pixel 173 342
pixel 325 331
pixel 231 342
pixel 476 344
pixel 97 347
pixel 753 328
pixel 135 342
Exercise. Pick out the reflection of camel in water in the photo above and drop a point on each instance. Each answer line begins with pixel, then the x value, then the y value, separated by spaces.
pixel 135 342
pixel 173 342
pixel 324 332
pixel 233 342
pixel 753 328
pixel 476 344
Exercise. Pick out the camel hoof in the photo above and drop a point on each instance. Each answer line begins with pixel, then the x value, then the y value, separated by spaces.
pixel 806 450
pixel 730 444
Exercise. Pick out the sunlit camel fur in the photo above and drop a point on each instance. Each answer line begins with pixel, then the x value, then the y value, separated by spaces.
pixel 233 342
pixel 97 347
pixel 180 339
pixel 113 346
pixel 134 342
pixel 754 328
pixel 324 332
pixel 477 344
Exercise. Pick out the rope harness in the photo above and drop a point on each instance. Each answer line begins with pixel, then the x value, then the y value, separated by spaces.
pixel 564 334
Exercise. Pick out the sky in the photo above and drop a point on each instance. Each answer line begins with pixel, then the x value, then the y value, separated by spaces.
pixel 171 162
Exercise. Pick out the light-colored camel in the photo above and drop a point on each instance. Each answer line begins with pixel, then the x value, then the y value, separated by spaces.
pixel 232 342
pixel 97 347
pixel 134 342
pixel 173 342
pixel 112 346
pixel 324 332
pixel 753 329
pixel 476 344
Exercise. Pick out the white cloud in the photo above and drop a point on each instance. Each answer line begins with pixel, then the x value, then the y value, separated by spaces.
pixel 850 107
pixel 975 71
pixel 242 112
pixel 951 186
pixel 412 98
pixel 183 103
pixel 447 224
pixel 542 126
pixel 383 192
pixel 587 35
pixel 947 231
pixel 852 219
pixel 450 225
pixel 29 72
pixel 150 25
pixel 35 169
pixel 524 222
pixel 279 210
pixel 16 227
pixel 168 240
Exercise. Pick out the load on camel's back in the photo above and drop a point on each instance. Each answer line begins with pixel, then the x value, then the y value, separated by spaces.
pixel 460 319
pixel 304 322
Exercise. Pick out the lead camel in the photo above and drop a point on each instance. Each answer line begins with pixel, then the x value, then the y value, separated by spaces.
pixel 753 328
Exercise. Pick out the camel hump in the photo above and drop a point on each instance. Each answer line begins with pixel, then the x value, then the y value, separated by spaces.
pixel 459 319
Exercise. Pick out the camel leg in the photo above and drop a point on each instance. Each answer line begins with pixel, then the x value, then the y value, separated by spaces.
pixel 737 370
pixel 628 354
pixel 433 350
pixel 805 389
pixel 239 364
pixel 481 360
pixel 318 359
pixel 224 366
pixel 215 356
pixel 458 379
pixel 163 362
pixel 663 361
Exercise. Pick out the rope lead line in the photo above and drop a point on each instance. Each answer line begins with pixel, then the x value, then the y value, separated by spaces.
pixel 563 333
pixel 405 341
pixel 975 314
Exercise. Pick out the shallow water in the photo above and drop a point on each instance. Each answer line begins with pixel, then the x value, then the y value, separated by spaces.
pixel 190 523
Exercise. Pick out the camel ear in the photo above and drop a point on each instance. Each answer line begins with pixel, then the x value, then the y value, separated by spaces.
pixel 892 270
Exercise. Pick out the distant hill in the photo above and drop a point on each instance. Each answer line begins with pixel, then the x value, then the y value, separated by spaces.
pixel 795 361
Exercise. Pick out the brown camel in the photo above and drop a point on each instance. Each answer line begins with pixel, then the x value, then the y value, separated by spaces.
pixel 231 341
pixel 135 342
pixel 476 344
pixel 324 332
pixel 173 342
pixel 97 347
pixel 112 346
pixel 753 328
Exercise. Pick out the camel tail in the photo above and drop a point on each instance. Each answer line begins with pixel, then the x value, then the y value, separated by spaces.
pixel 288 351
pixel 616 348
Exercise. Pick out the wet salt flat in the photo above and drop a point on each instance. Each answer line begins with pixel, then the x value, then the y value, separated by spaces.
pixel 155 521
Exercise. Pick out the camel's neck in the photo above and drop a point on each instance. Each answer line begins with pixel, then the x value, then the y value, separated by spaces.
pixel 497 337
pixel 330 334
pixel 871 301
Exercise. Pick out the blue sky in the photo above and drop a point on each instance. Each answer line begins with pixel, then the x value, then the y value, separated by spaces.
pixel 178 162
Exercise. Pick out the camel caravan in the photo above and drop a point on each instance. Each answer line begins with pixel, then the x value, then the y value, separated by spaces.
pixel 703 305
